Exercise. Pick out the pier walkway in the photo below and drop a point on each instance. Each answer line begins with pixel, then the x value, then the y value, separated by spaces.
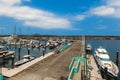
pixel 95 73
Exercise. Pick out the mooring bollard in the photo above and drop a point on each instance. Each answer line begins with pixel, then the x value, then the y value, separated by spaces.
pixel 3 59
pixel 117 58
pixel 19 55
pixel 12 61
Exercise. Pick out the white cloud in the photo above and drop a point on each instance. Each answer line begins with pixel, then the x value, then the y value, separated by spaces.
pixel 79 17
pixel 103 11
pixel 9 2
pixel 111 9
pixel 31 16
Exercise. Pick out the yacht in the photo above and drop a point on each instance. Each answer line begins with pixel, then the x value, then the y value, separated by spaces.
pixel 103 59
pixel 26 58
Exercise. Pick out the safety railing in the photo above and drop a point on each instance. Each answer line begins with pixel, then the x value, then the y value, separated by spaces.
pixel 74 69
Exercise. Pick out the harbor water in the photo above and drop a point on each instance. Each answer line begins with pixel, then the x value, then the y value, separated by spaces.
pixel 35 52
pixel 112 46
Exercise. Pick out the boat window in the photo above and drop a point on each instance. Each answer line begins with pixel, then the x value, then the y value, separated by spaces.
pixel 105 59
pixel 102 53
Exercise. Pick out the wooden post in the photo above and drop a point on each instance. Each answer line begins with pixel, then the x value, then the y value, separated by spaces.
pixel 7 47
pixel 15 45
pixel 45 48
pixel 32 47
pixel 117 58
pixel 43 51
pixel 28 51
pixel 19 55
pixel 39 48
pixel 3 59
pixel 12 61
pixel 10 46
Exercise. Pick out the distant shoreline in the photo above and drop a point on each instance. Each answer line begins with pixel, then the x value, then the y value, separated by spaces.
pixel 70 37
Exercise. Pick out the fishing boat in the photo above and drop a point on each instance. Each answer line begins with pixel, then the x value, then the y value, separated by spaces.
pixel 103 59
pixel 26 58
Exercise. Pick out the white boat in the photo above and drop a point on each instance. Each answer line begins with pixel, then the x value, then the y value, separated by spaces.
pixel 104 61
pixel 88 47
pixel 26 58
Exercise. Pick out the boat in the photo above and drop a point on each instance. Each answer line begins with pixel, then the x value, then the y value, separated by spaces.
pixel 52 46
pixel 1 47
pixel 26 58
pixel 7 53
pixel 88 49
pixel 103 60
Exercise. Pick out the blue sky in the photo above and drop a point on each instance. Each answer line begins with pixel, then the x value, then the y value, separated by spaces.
pixel 60 17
